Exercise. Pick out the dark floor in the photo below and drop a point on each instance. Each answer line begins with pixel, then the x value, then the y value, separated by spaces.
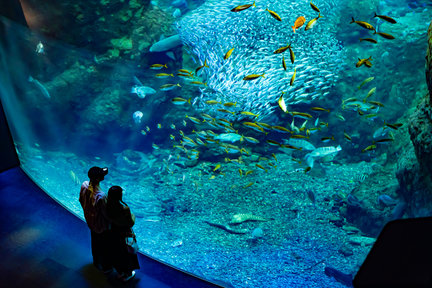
pixel 43 245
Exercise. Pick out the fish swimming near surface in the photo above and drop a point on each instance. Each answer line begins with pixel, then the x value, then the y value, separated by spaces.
pixel 298 23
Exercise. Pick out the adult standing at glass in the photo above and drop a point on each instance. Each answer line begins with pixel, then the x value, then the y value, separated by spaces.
pixel 93 202
pixel 122 221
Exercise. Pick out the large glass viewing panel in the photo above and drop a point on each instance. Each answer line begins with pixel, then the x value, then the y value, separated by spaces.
pixel 246 151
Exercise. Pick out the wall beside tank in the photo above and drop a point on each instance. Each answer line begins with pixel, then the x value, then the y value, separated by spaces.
pixel 8 155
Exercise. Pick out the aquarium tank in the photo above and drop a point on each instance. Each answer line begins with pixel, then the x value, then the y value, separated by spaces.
pixel 260 143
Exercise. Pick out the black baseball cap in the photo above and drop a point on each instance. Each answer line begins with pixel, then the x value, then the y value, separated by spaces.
pixel 96 172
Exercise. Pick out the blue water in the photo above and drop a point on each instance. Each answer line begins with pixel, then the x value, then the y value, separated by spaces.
pixel 185 159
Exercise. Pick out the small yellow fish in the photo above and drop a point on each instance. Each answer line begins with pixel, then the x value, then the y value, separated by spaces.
pixel 274 15
pixel 384 140
pixel 363 61
pixel 371 40
pixel 212 102
pixel 202 66
pixel 347 136
pixel 326 139
pixel 198 83
pixel 248 172
pixel 250 139
pixel 164 75
pixel 230 104
pixel 167 87
pixel 385 35
pixel 240 172
pixel 282 104
pixel 273 142
pixel 301 114
pixel 172 137
pixel 293 77
pixel 363 24
pixel 253 76
pixel 367 80
pixel 281 129
pixel 274 156
pixel 386 18
pixel 261 167
pixel 158 66
pixel 242 7
pixel 369 148
pixel 247 113
pixel 376 103
pixel 371 92
pixel 228 54
pixel 282 49
pixel 212 177
pixel 320 109
pixel 226 111
pixel 248 185
pixel 218 166
pixel 180 101
pixel 283 63
pixel 393 126
pixel 185 71
pixel 184 75
pixel 159 126
pixel 312 22
pixel 194 119
pixel 254 126
pixel 299 137
pixel 292 56
pixel 315 8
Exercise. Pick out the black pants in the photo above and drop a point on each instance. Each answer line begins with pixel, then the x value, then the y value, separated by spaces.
pixel 123 261
pixel 100 244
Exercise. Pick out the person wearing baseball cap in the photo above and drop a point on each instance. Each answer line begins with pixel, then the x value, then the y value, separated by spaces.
pixel 93 202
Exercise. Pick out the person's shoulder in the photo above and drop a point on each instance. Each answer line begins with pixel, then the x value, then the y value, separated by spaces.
pixel 85 184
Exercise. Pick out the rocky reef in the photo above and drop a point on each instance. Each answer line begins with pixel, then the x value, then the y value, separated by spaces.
pixel 415 164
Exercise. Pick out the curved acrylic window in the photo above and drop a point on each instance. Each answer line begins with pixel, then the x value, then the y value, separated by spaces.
pixel 225 199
